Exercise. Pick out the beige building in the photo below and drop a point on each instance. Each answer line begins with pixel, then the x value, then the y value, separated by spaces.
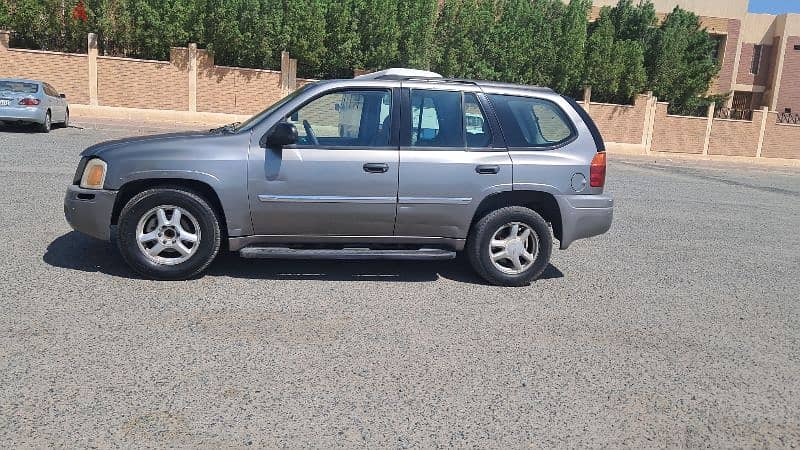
pixel 759 53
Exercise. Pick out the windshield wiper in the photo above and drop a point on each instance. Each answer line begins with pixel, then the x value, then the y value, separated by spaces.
pixel 229 128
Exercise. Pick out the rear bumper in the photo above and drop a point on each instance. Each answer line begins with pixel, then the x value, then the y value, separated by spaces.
pixel 89 211
pixel 584 216
pixel 32 114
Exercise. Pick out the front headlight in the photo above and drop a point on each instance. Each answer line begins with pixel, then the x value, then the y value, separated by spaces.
pixel 94 175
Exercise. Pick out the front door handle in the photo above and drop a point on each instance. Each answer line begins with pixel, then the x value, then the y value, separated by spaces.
pixel 376 167
pixel 487 169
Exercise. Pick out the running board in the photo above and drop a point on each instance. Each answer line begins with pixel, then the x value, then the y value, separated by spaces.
pixel 428 254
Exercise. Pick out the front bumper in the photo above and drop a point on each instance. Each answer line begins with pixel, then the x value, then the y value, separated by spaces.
pixel 584 216
pixel 89 211
pixel 14 114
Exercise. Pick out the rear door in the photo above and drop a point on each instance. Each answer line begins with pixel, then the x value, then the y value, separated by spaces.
pixel 54 102
pixel 451 157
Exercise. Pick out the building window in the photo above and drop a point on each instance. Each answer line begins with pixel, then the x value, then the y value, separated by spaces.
pixel 756 63
pixel 719 46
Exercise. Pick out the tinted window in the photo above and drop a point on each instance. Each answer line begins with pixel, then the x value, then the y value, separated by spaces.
pixel 476 126
pixel 345 119
pixel 436 119
pixel 18 87
pixel 50 91
pixel 532 122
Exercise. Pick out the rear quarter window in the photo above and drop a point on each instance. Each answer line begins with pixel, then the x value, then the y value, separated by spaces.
pixel 532 122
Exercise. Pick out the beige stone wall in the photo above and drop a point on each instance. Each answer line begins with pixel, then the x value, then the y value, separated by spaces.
pixel 780 140
pixel 142 84
pixel 735 137
pixel 620 123
pixel 237 91
pixel 678 134
pixel 69 73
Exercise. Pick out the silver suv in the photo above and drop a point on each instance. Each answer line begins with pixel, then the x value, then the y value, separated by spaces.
pixel 398 164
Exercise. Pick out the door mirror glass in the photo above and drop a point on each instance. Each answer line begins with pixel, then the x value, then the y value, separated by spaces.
pixel 62 95
pixel 284 134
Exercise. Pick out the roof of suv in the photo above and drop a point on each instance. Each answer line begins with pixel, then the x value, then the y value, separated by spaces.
pixel 400 74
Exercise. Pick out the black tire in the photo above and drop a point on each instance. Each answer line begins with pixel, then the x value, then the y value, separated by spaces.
pixel 48 123
pixel 479 252
pixel 191 202
pixel 65 123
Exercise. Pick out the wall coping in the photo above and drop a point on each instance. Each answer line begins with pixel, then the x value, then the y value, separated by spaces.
pixel 616 105
pixel 45 52
pixel 705 119
pixel 246 68
pixel 734 120
pixel 120 58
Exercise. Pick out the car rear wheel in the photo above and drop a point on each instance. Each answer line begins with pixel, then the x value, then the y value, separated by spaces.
pixel 168 234
pixel 510 246
pixel 65 123
pixel 47 125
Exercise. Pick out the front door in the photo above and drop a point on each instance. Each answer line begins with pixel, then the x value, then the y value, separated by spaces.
pixel 340 179
pixel 451 158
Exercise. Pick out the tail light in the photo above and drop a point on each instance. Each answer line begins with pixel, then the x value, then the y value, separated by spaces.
pixel 29 102
pixel 597 171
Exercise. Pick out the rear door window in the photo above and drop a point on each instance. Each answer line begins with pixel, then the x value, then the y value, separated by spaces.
pixel 532 122
pixel 436 119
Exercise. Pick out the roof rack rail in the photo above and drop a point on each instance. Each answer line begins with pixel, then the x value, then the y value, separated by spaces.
pixel 399 74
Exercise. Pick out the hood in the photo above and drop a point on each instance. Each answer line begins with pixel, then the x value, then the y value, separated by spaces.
pixel 108 148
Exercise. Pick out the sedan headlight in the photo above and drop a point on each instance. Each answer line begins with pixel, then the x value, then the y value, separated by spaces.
pixel 94 175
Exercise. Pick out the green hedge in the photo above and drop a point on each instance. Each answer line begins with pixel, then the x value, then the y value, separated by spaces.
pixel 543 42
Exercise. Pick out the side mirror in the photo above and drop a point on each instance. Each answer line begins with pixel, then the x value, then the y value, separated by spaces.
pixel 283 134
pixel 62 95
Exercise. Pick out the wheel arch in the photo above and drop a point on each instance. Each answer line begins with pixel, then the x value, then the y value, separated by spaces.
pixel 544 203
pixel 130 189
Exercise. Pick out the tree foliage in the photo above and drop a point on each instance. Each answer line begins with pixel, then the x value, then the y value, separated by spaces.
pixel 544 42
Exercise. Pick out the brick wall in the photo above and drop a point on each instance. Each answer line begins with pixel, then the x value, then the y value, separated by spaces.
pixel 237 91
pixel 134 83
pixel 789 95
pixel 678 134
pixel 724 80
pixel 744 76
pixel 68 73
pixel 735 137
pixel 620 123
pixel 780 140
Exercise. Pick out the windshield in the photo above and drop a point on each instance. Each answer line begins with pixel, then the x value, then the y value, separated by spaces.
pixel 249 123
pixel 19 87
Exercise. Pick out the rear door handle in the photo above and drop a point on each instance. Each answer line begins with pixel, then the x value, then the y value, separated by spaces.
pixel 487 169
pixel 376 167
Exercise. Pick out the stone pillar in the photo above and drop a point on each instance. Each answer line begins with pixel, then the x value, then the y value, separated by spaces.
pixel 587 95
pixel 285 71
pixel 292 74
pixel 651 126
pixel 764 117
pixel 193 77
pixel 709 125
pixel 5 40
pixel 92 59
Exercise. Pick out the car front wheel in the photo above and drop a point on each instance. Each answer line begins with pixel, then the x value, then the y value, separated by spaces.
pixel 168 234
pixel 510 246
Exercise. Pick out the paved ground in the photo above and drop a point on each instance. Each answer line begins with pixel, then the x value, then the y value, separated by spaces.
pixel 679 328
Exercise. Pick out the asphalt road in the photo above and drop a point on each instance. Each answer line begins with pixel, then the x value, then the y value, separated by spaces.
pixel 681 327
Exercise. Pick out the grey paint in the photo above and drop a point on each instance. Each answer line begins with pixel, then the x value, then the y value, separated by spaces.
pixel 324 195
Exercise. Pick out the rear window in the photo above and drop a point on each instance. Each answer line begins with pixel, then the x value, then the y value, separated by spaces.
pixel 532 122
pixel 18 87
